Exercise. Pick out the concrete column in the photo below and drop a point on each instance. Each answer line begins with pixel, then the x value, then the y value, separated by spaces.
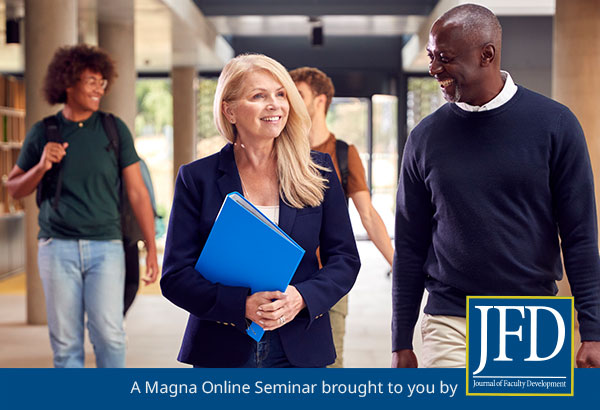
pixel 116 36
pixel 574 82
pixel 184 116
pixel 48 25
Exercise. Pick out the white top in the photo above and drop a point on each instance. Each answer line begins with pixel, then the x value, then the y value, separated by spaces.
pixel 508 91
pixel 271 212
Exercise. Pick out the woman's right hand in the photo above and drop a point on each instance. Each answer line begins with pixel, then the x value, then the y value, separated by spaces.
pixel 259 299
pixel 53 152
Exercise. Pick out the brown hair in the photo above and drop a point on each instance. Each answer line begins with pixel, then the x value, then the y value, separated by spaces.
pixel 67 65
pixel 317 80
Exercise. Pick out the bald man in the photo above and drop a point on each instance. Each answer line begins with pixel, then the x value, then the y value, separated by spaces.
pixel 493 185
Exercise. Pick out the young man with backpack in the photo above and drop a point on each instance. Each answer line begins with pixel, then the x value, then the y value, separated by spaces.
pixel 317 91
pixel 78 159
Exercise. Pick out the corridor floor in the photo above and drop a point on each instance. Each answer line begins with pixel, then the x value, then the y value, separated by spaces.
pixel 155 326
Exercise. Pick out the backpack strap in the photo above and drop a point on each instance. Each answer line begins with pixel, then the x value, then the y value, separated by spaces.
pixel 341 152
pixel 55 174
pixel 129 226
pixel 52 133
pixel 110 127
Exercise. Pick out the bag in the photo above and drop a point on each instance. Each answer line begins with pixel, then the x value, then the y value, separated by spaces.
pixel 341 153
pixel 51 183
pixel 132 233
pixel 159 225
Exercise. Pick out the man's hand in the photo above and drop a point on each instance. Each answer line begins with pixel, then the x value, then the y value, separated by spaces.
pixel 588 355
pixel 151 266
pixel 404 358
pixel 53 153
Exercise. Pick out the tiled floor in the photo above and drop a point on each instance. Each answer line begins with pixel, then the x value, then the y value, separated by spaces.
pixel 155 326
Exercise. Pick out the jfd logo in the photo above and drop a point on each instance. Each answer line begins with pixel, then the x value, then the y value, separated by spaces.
pixel 519 345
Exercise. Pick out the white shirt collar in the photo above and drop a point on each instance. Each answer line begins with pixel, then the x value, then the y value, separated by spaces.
pixel 508 91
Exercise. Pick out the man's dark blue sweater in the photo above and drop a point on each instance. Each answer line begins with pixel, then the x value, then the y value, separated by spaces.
pixel 482 200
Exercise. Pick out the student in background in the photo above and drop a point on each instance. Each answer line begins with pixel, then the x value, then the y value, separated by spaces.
pixel 80 253
pixel 317 91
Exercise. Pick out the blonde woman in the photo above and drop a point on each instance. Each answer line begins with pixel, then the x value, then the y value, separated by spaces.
pixel 260 112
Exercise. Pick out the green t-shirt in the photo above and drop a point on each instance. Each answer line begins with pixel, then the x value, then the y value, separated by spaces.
pixel 88 207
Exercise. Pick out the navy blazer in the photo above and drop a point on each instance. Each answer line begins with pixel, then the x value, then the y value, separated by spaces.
pixel 216 331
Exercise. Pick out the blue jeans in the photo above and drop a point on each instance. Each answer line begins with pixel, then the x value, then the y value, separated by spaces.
pixel 79 277
pixel 268 353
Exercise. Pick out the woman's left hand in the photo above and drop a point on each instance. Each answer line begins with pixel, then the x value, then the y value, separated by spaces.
pixel 277 313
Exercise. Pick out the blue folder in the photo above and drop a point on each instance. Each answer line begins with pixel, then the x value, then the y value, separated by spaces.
pixel 245 248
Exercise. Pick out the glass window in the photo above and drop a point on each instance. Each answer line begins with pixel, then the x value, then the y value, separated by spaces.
pixel 424 97
pixel 384 167
pixel 154 137
pixel 349 119
pixel 209 141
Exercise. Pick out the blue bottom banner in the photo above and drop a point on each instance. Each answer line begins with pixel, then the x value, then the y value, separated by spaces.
pixel 254 388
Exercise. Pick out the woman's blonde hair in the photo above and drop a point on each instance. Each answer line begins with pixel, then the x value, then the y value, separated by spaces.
pixel 300 182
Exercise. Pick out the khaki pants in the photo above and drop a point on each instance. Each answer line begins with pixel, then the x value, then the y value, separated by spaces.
pixel 337 317
pixel 444 341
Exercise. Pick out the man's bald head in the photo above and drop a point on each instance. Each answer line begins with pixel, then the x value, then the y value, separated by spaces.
pixel 478 25
pixel 464 54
